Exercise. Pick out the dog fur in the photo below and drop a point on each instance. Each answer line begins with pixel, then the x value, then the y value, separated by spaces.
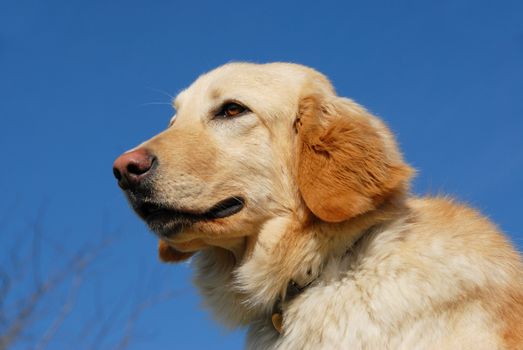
pixel 327 205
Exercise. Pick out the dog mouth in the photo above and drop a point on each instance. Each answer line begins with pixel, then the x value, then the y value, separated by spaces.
pixel 167 221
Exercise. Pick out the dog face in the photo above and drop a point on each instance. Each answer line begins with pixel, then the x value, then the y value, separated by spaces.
pixel 250 142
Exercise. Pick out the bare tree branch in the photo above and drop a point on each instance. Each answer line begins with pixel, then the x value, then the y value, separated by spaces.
pixel 24 316
pixel 107 324
pixel 135 315
pixel 29 292
pixel 64 312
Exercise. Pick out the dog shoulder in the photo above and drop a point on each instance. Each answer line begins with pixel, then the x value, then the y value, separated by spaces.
pixel 442 265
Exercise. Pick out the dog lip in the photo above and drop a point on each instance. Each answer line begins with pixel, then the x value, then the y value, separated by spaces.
pixel 225 208
pixel 150 211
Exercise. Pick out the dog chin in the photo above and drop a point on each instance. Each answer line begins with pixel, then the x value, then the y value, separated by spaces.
pixel 167 229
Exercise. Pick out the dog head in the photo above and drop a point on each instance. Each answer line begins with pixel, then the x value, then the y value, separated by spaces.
pixel 250 142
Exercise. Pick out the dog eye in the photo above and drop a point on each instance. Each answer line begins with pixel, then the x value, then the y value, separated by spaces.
pixel 231 109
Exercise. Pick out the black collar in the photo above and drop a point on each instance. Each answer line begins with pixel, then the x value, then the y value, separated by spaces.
pixel 291 292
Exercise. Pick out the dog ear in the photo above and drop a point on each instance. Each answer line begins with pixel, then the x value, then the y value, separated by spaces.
pixel 348 162
pixel 168 254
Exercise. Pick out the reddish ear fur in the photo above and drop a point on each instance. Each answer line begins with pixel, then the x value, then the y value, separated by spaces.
pixel 166 253
pixel 348 163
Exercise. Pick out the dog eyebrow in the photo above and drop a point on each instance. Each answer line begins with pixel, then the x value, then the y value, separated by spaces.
pixel 215 94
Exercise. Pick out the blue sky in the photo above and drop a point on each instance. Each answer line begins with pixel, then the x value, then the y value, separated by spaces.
pixel 82 81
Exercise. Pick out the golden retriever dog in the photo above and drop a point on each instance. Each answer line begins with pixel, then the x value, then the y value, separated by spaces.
pixel 294 205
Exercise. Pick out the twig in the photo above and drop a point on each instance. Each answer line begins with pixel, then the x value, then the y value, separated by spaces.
pixel 135 315
pixel 64 312
pixel 24 316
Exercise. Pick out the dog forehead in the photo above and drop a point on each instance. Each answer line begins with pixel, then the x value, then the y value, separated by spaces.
pixel 254 75
pixel 272 81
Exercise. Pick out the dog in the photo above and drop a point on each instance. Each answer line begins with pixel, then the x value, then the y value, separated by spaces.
pixel 294 205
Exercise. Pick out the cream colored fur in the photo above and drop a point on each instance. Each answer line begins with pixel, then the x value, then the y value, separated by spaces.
pixel 388 271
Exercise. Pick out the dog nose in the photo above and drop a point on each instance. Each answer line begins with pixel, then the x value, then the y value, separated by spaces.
pixel 131 168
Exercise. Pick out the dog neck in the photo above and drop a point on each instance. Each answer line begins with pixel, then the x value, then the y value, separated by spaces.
pixel 293 289
pixel 287 249
pixel 237 246
pixel 243 280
